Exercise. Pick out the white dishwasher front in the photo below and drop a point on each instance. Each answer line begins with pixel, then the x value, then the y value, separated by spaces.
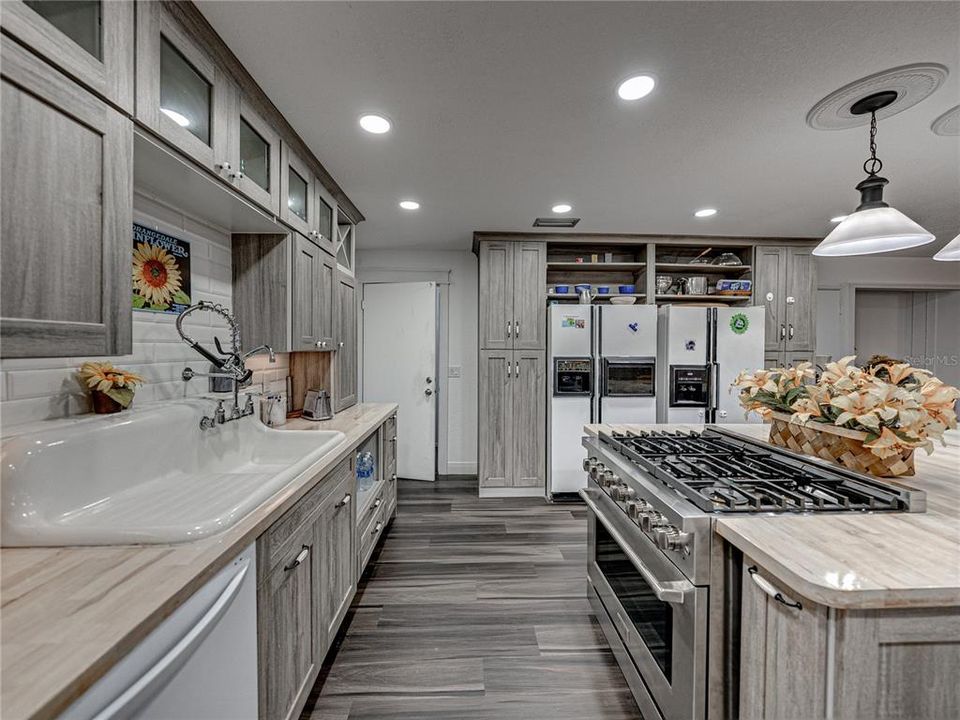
pixel 199 664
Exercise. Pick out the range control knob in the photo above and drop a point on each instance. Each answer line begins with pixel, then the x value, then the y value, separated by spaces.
pixel 680 542
pixel 589 463
pixel 650 520
pixel 664 534
pixel 636 507
pixel 617 491
pixel 597 470
pixel 609 479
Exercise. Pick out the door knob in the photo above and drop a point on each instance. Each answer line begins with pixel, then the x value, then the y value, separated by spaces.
pixel 428 392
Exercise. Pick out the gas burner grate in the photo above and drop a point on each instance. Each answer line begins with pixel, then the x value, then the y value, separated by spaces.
pixel 719 473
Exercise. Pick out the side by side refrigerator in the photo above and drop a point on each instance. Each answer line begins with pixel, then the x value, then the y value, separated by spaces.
pixel 601 368
pixel 701 351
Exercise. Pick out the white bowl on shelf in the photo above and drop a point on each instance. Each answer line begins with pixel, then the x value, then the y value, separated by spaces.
pixel 623 300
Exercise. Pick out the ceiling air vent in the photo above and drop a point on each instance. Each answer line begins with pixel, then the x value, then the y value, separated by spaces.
pixel 556 222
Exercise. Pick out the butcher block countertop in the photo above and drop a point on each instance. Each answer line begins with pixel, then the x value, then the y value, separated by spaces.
pixel 70 613
pixel 859 560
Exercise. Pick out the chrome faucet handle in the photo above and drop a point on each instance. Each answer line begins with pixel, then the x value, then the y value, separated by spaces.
pixel 220 414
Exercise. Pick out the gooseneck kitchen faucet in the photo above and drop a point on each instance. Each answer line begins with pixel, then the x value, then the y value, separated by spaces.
pixel 231 364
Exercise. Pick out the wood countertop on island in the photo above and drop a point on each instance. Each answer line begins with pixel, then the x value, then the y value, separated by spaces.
pixel 70 613
pixel 859 560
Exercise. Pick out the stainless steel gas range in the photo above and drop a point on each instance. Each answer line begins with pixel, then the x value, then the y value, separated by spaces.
pixel 660 582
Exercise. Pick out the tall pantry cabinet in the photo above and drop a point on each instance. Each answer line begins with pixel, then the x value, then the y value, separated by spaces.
pixel 786 285
pixel 512 380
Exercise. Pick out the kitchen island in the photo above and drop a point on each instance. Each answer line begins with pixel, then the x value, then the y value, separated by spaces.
pixel 839 614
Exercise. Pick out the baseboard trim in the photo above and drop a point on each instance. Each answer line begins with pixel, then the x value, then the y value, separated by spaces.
pixel 461 467
pixel 494 492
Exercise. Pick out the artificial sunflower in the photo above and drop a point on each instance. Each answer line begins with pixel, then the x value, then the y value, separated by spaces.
pixel 155 275
pixel 119 385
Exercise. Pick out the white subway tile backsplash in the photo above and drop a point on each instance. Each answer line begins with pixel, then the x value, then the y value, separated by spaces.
pixel 43 388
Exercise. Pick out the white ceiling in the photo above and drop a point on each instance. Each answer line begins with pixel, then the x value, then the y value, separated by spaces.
pixel 501 110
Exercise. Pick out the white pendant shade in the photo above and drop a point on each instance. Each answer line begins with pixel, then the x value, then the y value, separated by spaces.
pixel 874 230
pixel 950 251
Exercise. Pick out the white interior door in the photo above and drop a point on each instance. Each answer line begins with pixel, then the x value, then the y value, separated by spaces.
pixel 400 365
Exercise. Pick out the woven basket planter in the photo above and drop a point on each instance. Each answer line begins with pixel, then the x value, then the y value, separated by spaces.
pixel 838 445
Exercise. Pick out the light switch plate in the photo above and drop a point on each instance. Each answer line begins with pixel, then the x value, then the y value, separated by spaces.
pixel 454 371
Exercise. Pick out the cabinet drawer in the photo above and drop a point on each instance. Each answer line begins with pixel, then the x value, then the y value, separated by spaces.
pixel 370 535
pixel 369 516
pixel 274 543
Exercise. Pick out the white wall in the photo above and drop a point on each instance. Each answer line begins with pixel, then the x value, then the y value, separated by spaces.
pixel 839 279
pixel 461 395
pixel 34 389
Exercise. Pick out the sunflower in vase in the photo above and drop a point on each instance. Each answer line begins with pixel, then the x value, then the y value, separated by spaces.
pixel 111 389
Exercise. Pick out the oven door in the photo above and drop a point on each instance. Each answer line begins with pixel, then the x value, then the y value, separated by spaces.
pixel 629 377
pixel 661 616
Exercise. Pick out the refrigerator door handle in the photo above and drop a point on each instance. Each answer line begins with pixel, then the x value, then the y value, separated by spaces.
pixel 714 387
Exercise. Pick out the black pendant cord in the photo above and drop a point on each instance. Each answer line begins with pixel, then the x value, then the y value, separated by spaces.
pixel 872 165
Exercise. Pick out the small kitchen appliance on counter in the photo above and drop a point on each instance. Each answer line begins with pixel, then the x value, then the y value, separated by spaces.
pixel 316 405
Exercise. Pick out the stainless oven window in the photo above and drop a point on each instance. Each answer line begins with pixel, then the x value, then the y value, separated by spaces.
pixel 631 379
pixel 652 618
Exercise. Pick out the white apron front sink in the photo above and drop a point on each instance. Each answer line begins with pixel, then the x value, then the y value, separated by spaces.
pixel 147 475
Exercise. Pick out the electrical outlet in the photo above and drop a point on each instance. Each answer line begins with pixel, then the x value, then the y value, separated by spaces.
pixel 454 371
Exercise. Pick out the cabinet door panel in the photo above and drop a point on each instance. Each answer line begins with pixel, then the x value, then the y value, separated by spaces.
pixel 769 280
pixel 306 272
pixel 496 295
pixel 801 313
pixel 529 308
pixel 325 288
pixel 335 533
pixel 92 42
pixel 496 418
pixel 67 178
pixel 297 194
pixel 255 158
pixel 287 631
pixel 171 68
pixel 528 387
pixel 346 343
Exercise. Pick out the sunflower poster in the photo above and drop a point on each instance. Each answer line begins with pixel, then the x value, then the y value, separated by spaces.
pixel 161 271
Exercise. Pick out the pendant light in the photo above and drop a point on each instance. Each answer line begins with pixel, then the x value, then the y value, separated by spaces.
pixel 874 227
pixel 950 251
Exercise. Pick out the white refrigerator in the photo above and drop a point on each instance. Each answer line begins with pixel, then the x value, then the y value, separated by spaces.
pixel 701 351
pixel 601 368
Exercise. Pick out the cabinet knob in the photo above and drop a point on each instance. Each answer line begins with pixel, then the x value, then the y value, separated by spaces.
pixel 321 343
pixel 340 344
pixel 225 166
pixel 428 392
pixel 791 299
pixel 238 175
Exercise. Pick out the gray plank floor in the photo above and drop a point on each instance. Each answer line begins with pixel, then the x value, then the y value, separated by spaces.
pixel 473 609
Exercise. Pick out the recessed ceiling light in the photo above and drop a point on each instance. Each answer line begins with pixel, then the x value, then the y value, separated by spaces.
pixel 409 204
pixel 376 124
pixel 181 120
pixel 562 208
pixel 705 212
pixel 838 218
pixel 636 87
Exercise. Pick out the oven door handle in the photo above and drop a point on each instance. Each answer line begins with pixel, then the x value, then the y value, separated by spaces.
pixel 672 592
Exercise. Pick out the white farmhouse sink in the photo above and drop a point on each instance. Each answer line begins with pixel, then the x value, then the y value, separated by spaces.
pixel 147 475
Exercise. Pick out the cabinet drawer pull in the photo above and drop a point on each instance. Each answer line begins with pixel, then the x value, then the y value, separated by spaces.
pixel 377 503
pixel 783 331
pixel 394 477
pixel 516 329
pixel 770 590
pixel 509 326
pixel 345 501
pixel 790 331
pixel 393 439
pixel 377 528
pixel 301 556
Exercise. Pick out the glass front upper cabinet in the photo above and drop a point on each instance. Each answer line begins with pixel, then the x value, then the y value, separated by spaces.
pixel 71 36
pixel 298 195
pixel 185 94
pixel 324 219
pixel 254 155
pixel 79 20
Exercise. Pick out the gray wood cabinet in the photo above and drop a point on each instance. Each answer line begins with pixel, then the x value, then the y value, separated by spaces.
pixel 91 42
pixel 283 292
pixel 346 356
pixel 512 308
pixel 251 160
pixel 181 93
pixel 512 411
pixel 306 580
pixel 813 662
pixel 313 281
pixel 785 284
pixel 66 265
pixel 288 633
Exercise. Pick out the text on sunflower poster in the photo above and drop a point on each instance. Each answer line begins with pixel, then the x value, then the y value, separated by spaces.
pixel 161 271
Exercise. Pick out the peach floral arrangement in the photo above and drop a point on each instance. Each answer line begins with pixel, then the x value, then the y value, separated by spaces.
pixel 116 384
pixel 897 406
